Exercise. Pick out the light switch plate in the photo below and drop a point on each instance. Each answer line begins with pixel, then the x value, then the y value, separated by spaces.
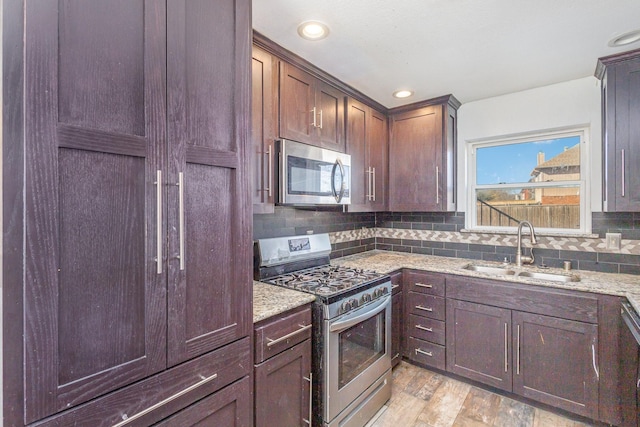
pixel 613 240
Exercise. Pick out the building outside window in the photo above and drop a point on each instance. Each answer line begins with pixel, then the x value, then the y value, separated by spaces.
pixel 540 178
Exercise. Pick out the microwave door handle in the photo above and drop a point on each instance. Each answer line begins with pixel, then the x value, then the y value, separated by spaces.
pixel 373 311
pixel 338 195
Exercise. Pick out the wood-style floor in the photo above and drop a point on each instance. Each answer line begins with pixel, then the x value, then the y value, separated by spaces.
pixel 421 398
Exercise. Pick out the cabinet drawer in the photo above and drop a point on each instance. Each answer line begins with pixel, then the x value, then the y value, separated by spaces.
pixel 280 333
pixel 425 283
pixel 157 397
pixel 425 305
pixel 427 329
pixel 426 353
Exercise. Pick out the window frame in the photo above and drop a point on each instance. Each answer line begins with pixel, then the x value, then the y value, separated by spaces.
pixel 583 183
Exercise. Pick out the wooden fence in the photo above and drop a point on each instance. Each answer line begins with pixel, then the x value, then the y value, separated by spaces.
pixel 552 216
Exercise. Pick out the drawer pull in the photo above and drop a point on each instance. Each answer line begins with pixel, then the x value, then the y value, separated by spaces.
pixel 395 286
pixel 423 285
pixel 126 420
pixel 426 353
pixel 419 307
pixel 424 328
pixel 286 337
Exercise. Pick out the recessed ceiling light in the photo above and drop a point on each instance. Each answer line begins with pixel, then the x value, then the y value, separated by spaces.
pixel 625 39
pixel 402 93
pixel 313 30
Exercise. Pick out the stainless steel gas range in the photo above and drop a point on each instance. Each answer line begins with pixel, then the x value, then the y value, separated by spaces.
pixel 352 326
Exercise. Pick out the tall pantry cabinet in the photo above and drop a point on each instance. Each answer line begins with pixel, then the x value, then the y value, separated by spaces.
pixel 137 228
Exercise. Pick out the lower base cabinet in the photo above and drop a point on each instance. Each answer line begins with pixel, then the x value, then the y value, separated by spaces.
pixel 282 371
pixel 542 357
pixel 230 407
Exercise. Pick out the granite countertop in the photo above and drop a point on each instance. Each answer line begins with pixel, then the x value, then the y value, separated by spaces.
pixel 626 285
pixel 271 300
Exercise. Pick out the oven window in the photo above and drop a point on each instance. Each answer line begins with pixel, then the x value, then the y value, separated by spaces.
pixel 360 346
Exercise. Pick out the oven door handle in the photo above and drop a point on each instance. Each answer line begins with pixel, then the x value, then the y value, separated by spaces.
pixel 351 321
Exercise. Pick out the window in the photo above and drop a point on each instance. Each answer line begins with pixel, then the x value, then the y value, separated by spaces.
pixel 538 178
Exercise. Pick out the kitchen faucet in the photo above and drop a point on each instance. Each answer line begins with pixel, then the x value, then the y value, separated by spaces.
pixel 520 259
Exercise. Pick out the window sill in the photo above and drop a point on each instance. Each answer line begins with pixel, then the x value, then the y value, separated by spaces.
pixel 544 233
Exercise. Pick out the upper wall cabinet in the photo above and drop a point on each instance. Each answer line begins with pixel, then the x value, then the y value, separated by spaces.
pixel 367 143
pixel 137 237
pixel 422 157
pixel 264 122
pixel 620 76
pixel 311 111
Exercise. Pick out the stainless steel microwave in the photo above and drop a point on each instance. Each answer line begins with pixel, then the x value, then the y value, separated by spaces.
pixel 309 175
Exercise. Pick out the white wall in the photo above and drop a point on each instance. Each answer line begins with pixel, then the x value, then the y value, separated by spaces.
pixel 567 104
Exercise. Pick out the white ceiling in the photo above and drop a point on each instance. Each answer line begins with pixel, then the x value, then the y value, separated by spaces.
pixel 474 49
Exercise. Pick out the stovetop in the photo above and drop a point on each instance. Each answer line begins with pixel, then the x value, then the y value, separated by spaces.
pixel 326 281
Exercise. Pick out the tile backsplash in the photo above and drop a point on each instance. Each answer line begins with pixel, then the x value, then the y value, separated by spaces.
pixel 441 234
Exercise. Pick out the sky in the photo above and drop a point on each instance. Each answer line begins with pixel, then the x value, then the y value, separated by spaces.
pixel 514 162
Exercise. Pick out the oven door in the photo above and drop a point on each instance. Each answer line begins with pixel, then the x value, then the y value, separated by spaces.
pixel 357 353
pixel 311 175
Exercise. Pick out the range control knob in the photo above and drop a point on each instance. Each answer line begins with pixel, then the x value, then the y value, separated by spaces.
pixel 354 303
pixel 365 298
pixel 346 306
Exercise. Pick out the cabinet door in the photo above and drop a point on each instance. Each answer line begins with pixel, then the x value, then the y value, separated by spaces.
pixel 378 141
pixel 358 117
pixel 282 388
pixel 209 282
pixel 622 151
pixel 297 105
pixel 230 407
pixel 478 343
pixel 415 160
pixel 329 103
pixel 264 102
pixel 556 362
pixel 94 304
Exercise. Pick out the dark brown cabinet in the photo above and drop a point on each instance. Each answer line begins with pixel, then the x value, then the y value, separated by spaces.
pixel 620 76
pixel 228 407
pixel 424 319
pixel 264 122
pixel 542 370
pixel 630 367
pixel 137 218
pixel 367 144
pixel 479 343
pixel 397 318
pixel 422 157
pixel 554 360
pixel 311 111
pixel 283 376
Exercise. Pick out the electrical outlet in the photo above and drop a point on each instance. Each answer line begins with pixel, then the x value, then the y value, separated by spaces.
pixel 613 240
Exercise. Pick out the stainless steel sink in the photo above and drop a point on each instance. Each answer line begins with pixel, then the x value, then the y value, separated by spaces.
pixel 496 271
pixel 549 276
pixel 505 271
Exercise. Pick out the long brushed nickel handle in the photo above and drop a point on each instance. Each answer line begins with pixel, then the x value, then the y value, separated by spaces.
pixel 437 185
pixel 424 328
pixel 506 366
pixel 426 353
pixel 518 352
pixel 181 217
pixel 158 184
pixel 423 285
pixel 126 420
pixel 419 307
pixel 269 171
pixel 373 186
pixel 313 112
pixel 623 173
pixel 310 379
pixel 593 360
pixel 320 120
pixel 289 335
